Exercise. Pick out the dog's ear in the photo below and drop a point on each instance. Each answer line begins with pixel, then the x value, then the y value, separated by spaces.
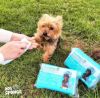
pixel 45 15
pixel 59 20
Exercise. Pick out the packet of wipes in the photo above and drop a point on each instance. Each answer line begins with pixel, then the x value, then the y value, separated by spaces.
pixel 88 70
pixel 57 79
pixel 23 40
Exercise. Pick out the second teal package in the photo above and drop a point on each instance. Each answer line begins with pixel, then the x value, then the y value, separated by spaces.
pixel 88 70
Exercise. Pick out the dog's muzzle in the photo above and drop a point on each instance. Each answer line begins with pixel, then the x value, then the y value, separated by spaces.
pixel 45 36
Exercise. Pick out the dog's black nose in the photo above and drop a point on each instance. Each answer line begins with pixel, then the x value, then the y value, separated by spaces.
pixel 45 33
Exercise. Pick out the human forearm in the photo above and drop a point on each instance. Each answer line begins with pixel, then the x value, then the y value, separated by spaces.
pixel 1 58
pixel 5 36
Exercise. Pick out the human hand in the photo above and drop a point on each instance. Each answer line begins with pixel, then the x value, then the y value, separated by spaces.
pixel 19 37
pixel 13 49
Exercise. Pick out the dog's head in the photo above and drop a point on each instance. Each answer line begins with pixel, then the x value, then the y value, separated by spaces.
pixel 50 27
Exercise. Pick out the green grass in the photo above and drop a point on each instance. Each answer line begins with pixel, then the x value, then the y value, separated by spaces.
pixel 81 26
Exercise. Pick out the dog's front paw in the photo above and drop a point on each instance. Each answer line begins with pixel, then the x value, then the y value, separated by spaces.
pixel 46 58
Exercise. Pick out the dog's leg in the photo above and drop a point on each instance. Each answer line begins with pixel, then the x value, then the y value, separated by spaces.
pixel 49 50
pixel 36 38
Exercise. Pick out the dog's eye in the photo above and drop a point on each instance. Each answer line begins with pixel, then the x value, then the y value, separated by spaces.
pixel 51 28
pixel 43 26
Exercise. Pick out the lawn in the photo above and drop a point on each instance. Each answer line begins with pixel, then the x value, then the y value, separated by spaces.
pixel 81 28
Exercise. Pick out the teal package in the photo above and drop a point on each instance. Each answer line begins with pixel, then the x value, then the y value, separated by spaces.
pixel 88 70
pixel 57 79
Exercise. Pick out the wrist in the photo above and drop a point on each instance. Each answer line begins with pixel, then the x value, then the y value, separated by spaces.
pixel 13 37
pixel 17 37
